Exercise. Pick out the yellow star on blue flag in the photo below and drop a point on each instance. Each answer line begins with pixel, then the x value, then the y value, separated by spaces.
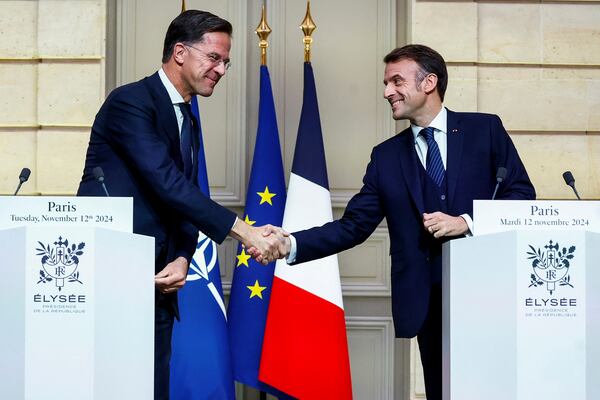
pixel 266 196
pixel 256 290
pixel 243 258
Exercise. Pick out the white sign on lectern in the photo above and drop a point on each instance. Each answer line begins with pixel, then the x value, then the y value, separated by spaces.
pixel 492 216
pixel 114 213
pixel 77 300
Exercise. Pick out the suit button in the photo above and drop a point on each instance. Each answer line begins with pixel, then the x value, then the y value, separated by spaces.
pixel 427 259
pixel 443 197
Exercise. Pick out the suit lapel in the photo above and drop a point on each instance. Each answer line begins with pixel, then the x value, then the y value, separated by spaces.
pixel 455 140
pixel 408 162
pixel 165 115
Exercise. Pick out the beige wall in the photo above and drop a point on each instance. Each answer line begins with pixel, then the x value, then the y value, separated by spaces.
pixel 51 85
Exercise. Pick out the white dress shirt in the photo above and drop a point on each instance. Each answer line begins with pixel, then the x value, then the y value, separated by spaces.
pixel 175 97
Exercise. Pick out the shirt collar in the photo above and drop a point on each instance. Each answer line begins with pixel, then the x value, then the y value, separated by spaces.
pixel 440 123
pixel 174 95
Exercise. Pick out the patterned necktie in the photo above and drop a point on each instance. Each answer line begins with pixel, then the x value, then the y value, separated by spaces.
pixel 187 131
pixel 433 164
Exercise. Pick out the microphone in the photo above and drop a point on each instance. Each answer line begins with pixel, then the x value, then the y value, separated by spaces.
pixel 23 177
pixel 99 176
pixel 500 176
pixel 569 180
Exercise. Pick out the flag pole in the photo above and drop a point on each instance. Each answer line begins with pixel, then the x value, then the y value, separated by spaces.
pixel 182 5
pixel 263 30
pixel 308 26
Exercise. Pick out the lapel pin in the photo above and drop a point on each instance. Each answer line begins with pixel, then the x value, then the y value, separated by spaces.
pixel 454 130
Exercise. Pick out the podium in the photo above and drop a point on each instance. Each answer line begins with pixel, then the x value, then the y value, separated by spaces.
pixel 520 308
pixel 76 301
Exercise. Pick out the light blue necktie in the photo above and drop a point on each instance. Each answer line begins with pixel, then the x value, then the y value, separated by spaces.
pixel 433 163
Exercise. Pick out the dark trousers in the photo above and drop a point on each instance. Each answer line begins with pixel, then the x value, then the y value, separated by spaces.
pixel 430 345
pixel 163 328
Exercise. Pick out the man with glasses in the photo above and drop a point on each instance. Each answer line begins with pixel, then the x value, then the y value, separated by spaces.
pixel 146 140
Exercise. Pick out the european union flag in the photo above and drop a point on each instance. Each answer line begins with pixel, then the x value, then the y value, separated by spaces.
pixel 201 360
pixel 251 287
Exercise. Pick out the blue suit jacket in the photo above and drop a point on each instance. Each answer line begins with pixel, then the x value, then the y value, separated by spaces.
pixel 135 139
pixel 477 146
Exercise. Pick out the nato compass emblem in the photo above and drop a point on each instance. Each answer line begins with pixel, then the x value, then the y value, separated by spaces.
pixel 551 265
pixel 202 264
pixel 60 262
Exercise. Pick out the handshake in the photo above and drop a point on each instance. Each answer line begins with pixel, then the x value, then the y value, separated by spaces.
pixel 265 243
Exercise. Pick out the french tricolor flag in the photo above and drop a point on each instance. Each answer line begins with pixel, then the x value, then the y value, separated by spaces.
pixel 305 349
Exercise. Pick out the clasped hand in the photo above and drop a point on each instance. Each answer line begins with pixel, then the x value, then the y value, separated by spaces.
pixel 274 243
pixel 264 243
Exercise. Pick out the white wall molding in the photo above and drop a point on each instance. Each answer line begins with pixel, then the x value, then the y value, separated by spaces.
pixel 371 346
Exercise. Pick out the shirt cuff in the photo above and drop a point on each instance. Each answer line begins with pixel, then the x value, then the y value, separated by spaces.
pixel 469 222
pixel 293 250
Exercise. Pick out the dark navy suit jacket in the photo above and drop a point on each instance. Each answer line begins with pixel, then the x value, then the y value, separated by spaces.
pixel 135 139
pixel 477 145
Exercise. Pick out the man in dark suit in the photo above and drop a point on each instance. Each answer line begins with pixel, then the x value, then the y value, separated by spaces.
pixel 145 139
pixel 423 181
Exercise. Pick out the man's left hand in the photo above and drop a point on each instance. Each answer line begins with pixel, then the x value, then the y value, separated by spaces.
pixel 172 277
pixel 439 224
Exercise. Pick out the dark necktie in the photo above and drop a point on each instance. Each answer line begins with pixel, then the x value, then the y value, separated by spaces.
pixel 187 132
pixel 433 163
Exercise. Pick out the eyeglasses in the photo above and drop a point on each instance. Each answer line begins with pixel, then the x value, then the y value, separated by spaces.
pixel 215 59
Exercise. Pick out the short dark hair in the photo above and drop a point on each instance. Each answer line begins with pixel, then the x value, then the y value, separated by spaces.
pixel 429 61
pixel 190 27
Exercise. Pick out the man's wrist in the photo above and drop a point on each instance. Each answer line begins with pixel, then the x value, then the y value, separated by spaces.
pixel 469 222
pixel 184 263
pixel 291 257
pixel 239 230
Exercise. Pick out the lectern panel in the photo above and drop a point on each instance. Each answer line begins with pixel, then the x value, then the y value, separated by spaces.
pixel 520 316
pixel 77 312
pixel 12 312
